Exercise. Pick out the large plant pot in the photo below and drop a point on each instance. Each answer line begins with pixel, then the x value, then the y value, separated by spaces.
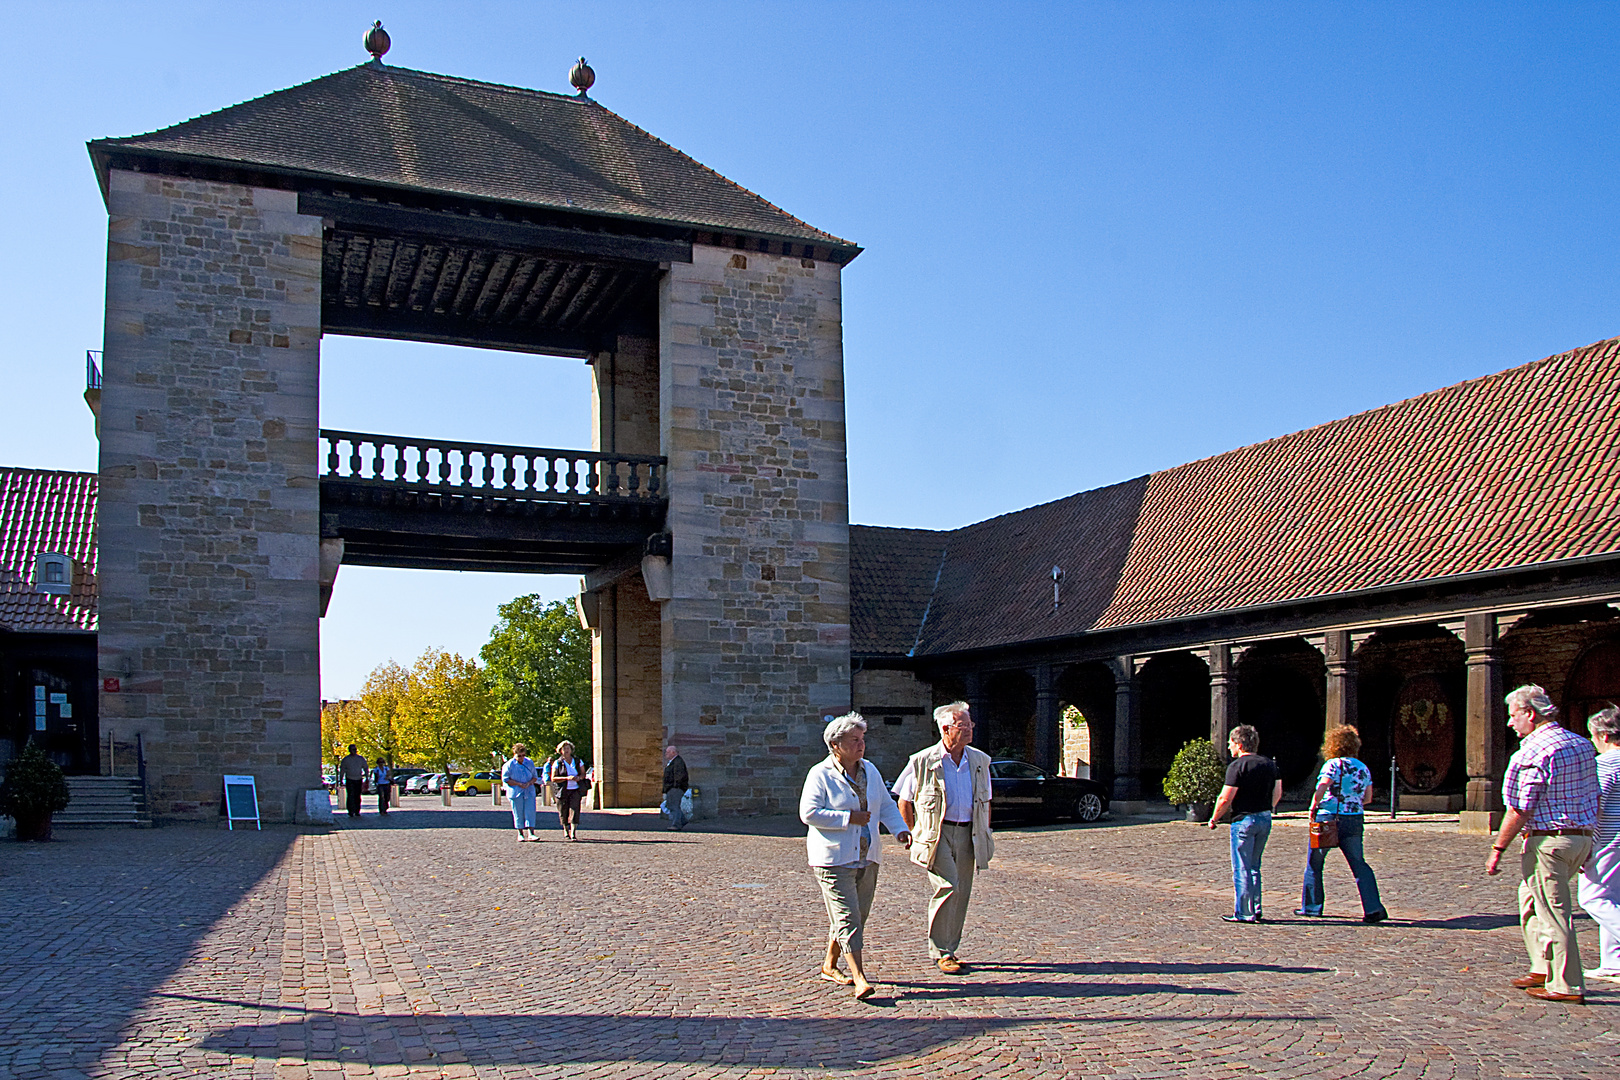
pixel 1199 811
pixel 34 827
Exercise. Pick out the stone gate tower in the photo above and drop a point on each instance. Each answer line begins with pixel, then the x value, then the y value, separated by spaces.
pixel 709 522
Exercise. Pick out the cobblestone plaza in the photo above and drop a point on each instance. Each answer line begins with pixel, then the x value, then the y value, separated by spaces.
pixel 430 944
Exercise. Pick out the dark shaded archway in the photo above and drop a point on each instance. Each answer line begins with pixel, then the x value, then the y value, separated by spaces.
pixel 1089 687
pixel 1413 694
pixel 1594 684
pixel 1280 686
pixel 1010 703
pixel 1174 690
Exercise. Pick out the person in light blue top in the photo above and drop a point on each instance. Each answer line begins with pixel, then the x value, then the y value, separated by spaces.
pixel 1342 790
pixel 521 777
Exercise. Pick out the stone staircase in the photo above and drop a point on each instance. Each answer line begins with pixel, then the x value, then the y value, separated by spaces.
pixel 104 801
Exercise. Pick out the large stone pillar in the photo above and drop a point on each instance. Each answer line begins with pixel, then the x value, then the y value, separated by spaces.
pixel 1338 649
pixel 1127 796
pixel 1222 696
pixel 756 634
pixel 627 649
pixel 1047 721
pixel 1485 734
pixel 209 503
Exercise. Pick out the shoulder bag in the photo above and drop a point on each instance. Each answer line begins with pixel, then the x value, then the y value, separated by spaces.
pixel 1325 834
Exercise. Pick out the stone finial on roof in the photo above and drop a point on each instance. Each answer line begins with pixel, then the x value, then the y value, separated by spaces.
pixel 581 77
pixel 377 41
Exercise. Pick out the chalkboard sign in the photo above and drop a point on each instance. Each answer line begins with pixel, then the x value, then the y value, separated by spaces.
pixel 241 801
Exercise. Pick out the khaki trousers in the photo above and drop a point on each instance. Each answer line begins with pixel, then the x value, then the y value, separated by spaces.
pixel 1547 908
pixel 952 878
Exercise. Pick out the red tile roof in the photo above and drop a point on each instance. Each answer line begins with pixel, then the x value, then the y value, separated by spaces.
pixel 43 511
pixel 1511 470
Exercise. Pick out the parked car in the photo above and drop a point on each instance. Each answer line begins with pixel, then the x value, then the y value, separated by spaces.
pixel 404 776
pixel 1023 791
pixel 436 781
pixel 418 785
pixel 481 783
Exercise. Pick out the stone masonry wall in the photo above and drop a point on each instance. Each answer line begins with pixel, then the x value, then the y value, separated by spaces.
pixel 625 398
pixel 756 638
pixel 883 696
pixel 209 502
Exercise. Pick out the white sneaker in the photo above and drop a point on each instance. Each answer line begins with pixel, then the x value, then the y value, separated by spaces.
pixel 1611 974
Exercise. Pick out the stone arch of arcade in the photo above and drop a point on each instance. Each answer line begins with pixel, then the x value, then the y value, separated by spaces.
pixel 225 509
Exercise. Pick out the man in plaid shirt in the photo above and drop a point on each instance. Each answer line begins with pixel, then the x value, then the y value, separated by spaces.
pixel 1551 793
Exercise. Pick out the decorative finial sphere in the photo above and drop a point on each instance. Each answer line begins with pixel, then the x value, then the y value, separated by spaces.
pixel 581 77
pixel 376 41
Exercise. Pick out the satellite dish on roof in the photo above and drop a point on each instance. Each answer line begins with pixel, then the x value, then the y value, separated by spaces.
pixel 581 77
pixel 377 41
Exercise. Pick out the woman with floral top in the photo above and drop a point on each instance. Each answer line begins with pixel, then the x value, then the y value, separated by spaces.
pixel 1342 789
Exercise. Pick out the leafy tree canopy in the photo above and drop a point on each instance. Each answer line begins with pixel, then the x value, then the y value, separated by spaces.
pixel 538 667
pixel 446 716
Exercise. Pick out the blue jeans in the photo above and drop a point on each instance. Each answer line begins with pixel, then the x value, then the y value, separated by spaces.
pixel 1249 834
pixel 522 807
pixel 1350 842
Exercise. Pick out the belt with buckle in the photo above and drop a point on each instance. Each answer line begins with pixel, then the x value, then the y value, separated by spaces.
pixel 1558 832
pixel 963 824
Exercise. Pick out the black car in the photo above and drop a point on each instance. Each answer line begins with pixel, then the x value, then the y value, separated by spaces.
pixel 1020 790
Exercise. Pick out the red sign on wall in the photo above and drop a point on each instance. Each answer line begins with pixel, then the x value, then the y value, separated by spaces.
pixel 109 686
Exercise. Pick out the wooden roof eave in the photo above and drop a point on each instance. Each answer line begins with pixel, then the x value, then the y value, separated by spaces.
pixel 103 153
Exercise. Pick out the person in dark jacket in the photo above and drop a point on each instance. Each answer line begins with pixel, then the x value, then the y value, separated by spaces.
pixel 353 771
pixel 675 784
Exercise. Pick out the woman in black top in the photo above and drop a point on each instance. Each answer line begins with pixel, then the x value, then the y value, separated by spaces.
pixel 1253 788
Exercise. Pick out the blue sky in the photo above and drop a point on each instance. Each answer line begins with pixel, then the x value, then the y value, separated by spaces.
pixel 1102 239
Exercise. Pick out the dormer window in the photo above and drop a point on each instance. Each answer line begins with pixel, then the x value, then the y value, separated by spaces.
pixel 53 574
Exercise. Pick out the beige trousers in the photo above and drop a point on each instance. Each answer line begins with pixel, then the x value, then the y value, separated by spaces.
pixel 952 878
pixel 1547 908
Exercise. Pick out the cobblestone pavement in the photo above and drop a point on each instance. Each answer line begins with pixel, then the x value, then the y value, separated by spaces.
pixel 433 945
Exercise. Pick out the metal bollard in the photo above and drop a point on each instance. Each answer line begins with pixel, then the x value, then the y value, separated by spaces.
pixel 447 795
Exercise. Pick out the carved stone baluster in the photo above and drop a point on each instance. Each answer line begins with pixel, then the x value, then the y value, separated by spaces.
pixel 530 475
pixel 489 467
pixel 551 473
pixel 331 457
pixel 509 474
pixel 444 464
pixel 610 468
pixel 355 468
pixel 635 479
pixel 593 478
pixel 378 465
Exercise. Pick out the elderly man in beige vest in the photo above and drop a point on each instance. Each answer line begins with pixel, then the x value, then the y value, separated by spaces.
pixel 944 795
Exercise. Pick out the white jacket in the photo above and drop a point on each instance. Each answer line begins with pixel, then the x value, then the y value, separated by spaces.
pixel 826 804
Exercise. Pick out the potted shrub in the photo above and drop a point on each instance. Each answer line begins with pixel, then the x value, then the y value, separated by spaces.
pixel 1195 779
pixel 32 791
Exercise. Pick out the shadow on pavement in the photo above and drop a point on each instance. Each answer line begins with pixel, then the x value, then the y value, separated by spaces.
pixel 95 921
pixel 1461 922
pixel 559 1039
pixel 1133 967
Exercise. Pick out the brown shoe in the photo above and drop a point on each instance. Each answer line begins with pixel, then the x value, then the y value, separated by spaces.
pixel 1552 995
pixel 1526 982
pixel 950 965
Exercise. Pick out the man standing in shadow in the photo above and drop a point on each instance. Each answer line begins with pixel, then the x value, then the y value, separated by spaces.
pixel 353 771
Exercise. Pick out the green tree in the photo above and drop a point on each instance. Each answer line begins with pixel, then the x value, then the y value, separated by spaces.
pixel 380 699
pixel 446 717
pixel 538 664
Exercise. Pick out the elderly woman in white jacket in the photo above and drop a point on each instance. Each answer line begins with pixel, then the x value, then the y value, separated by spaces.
pixel 844 801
